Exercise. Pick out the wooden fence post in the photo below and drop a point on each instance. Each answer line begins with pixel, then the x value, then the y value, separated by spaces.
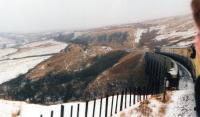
pixel 154 87
pixel 164 94
pixel 153 68
pixel 125 97
pixel 100 107
pixel 112 105
pixel 62 111
pixel 94 108
pixel 106 108
pixel 130 97
pixel 51 113
pixel 71 115
pixel 121 102
pixel 144 93
pixel 147 92
pixel 140 95
pixel 137 94
pixel 86 109
pixel 134 96
pixel 78 106
pixel 116 104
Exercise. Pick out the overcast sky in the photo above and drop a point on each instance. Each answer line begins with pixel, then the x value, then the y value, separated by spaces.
pixel 46 15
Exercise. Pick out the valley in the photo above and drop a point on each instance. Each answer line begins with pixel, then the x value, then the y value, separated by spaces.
pixel 64 67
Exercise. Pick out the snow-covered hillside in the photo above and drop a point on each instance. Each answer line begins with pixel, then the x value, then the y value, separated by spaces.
pixel 17 39
pixel 33 49
pixel 170 31
pixel 5 42
pixel 16 61
pixel 21 52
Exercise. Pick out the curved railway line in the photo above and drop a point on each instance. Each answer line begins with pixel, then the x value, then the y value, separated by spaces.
pixel 189 71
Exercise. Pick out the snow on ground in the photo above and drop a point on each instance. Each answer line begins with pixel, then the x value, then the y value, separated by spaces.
pixel 153 107
pixel 11 68
pixel 183 101
pixel 6 51
pixel 182 104
pixel 185 43
pixel 179 103
pixel 138 34
pixel 37 48
pixel 106 48
pixel 7 108
pixel 164 33
pixel 174 70
pixel 5 42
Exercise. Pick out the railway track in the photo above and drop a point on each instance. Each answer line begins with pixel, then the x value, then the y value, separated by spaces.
pixel 186 81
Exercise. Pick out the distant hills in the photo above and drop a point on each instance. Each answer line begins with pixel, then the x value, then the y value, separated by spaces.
pixel 97 61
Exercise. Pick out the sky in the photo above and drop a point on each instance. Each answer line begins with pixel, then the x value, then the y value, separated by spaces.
pixel 52 15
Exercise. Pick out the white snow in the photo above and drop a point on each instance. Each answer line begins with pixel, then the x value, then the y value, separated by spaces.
pixel 39 43
pixel 174 34
pixel 34 110
pixel 138 34
pixel 161 37
pixel 182 104
pixel 5 42
pixel 174 71
pixel 185 43
pixel 38 48
pixel 6 51
pixel 133 110
pixel 10 67
pixel 106 48
pixel 160 28
pixel 183 101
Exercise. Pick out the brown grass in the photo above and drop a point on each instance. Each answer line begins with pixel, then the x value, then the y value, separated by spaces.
pixel 122 115
pixel 167 97
pixel 144 109
pixel 16 113
pixel 162 110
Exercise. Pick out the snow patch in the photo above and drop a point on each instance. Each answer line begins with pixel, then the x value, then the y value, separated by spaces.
pixel 185 43
pixel 174 34
pixel 138 34
pixel 11 67
pixel 6 51
pixel 183 104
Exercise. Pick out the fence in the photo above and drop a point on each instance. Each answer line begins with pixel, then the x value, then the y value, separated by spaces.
pixel 184 60
pixel 156 67
pixel 103 107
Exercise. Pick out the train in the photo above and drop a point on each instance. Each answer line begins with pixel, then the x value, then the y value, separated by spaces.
pixel 188 57
pixel 185 55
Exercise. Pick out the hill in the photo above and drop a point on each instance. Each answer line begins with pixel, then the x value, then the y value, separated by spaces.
pixel 97 61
